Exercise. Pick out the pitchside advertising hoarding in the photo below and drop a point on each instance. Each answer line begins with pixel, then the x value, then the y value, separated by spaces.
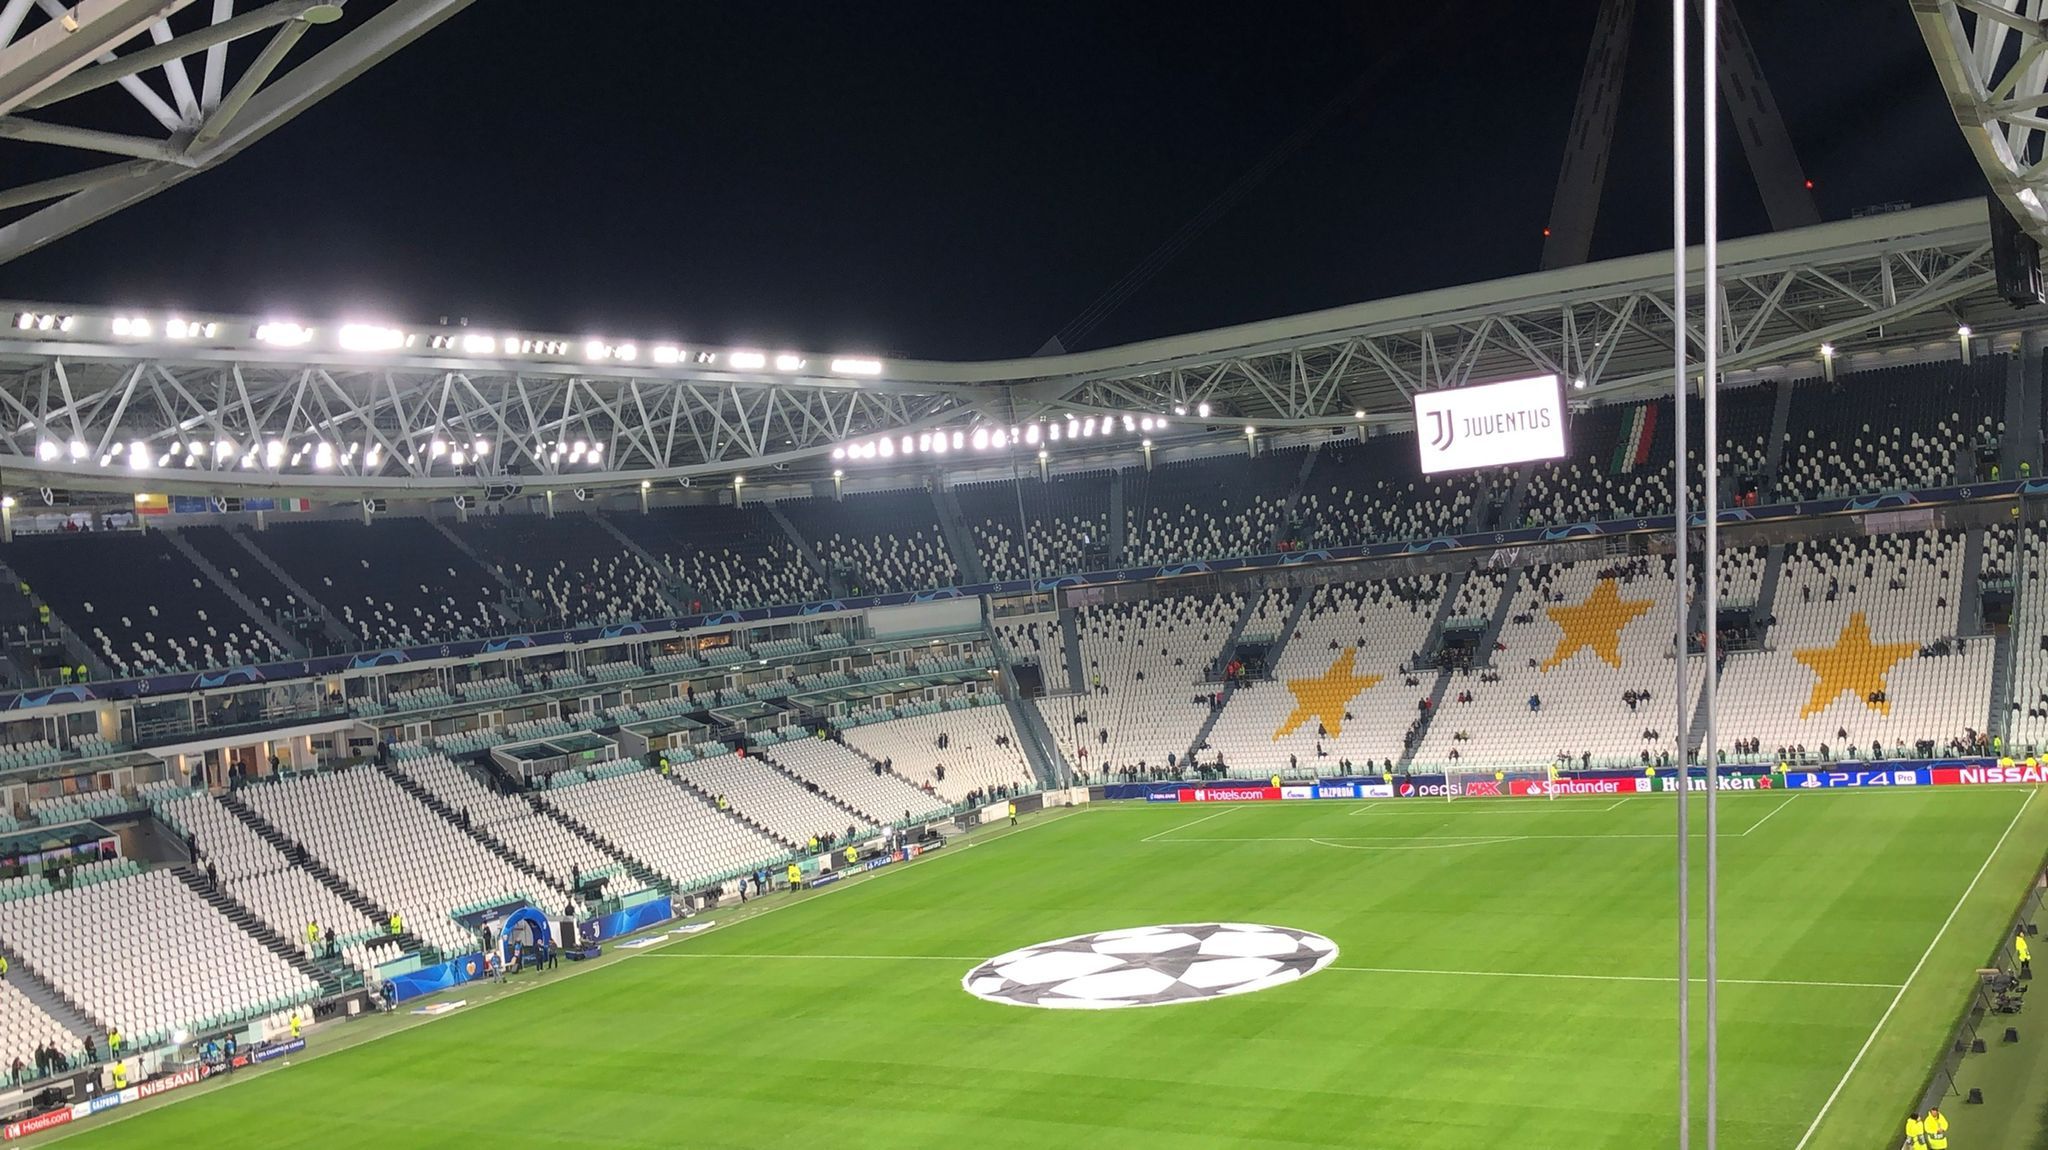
pixel 1490 425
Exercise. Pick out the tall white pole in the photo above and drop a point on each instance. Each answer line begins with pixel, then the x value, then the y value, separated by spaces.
pixel 1710 385
pixel 1681 582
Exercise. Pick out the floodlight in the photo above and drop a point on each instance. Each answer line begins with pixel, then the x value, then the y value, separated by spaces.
pixel 369 337
pixel 283 333
pixel 980 439
pixel 134 327
pixel 857 366
pixel 1031 435
pixel 788 362
pixel 1202 410
pixel 665 355
pixel 747 360
pixel 595 349
pixel 887 447
pixel 78 449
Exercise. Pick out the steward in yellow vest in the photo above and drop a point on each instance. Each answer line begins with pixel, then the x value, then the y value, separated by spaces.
pixel 1937 1129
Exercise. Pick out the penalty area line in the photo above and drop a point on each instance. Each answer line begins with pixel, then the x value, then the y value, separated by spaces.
pixel 1186 825
pixel 1912 977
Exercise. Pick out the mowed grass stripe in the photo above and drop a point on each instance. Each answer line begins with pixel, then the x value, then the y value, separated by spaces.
pixel 867 1053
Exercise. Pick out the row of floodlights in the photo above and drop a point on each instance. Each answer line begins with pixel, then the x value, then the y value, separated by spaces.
pixel 322 455
pixel 371 338
pixel 1075 427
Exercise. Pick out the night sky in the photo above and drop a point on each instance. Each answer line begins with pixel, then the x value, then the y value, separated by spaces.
pixel 962 181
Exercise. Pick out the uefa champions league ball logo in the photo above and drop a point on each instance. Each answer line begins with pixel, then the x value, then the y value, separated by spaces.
pixel 1150 966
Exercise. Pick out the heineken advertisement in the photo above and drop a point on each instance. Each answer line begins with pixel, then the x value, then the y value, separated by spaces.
pixel 1759 781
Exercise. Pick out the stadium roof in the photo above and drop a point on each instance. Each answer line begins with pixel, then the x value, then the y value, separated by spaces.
pixel 97 398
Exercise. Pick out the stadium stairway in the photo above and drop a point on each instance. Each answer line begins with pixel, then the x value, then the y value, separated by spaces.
pixel 1502 608
pixel 234 593
pixel 327 977
pixel 1035 738
pixel 1781 419
pixel 491 569
pixel 1070 637
pixel 1119 521
pixel 664 589
pixel 1767 587
pixel 1229 649
pixel 22 973
pixel 953 529
pixel 1434 637
pixel 711 800
pixel 1970 596
pixel 1437 687
pixel 833 583
pixel 299 855
pixel 858 815
pixel 2000 719
pixel 341 635
pixel 495 845
pixel 1696 722
pixel 2022 438
pixel 642 873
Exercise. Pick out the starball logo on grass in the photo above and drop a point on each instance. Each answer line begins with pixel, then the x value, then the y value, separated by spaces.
pixel 1150 966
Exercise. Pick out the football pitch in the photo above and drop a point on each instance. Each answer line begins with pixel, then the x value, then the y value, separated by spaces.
pixel 1504 977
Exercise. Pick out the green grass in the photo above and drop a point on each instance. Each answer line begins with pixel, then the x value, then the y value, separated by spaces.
pixel 838 1019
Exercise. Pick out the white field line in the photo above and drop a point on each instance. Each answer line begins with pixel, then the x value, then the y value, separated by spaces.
pixel 1611 977
pixel 1366 807
pixel 1767 817
pixel 67 1132
pixel 1401 970
pixel 1917 967
pixel 1186 825
pixel 1397 846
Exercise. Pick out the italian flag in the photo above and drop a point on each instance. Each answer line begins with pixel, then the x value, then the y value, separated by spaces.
pixel 1634 449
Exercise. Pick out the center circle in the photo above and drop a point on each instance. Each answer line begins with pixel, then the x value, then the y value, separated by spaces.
pixel 1150 966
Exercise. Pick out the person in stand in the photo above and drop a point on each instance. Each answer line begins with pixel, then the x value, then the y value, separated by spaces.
pixel 2022 953
pixel 852 855
pixel 796 876
pixel 1916 1132
pixel 3 968
pixel 17 1068
pixel 120 1073
pixel 114 1042
pixel 333 944
pixel 397 923
pixel 295 1024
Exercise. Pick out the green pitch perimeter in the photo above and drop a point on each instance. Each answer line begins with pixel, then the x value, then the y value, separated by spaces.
pixel 1504 981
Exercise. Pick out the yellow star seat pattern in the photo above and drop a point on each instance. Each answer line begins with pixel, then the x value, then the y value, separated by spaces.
pixel 1853 664
pixel 1324 698
pixel 1596 623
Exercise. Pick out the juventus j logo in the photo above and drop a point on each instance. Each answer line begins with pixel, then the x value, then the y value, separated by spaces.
pixel 1440 434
